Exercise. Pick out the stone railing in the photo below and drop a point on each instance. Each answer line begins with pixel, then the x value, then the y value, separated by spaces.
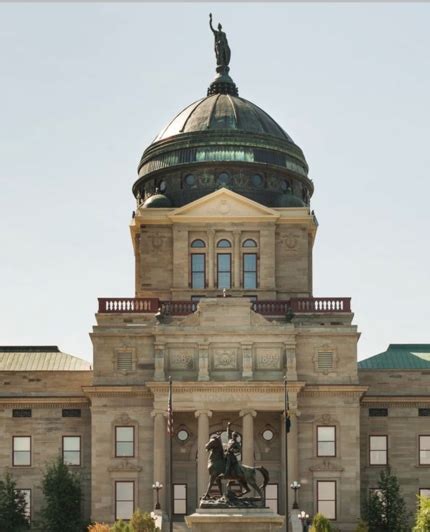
pixel 297 305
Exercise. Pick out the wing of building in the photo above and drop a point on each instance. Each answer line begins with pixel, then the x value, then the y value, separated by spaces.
pixel 223 234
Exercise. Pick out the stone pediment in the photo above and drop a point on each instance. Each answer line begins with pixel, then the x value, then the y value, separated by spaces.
pixel 226 313
pixel 221 204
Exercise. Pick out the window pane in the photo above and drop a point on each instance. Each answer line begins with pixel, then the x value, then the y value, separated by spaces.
pixel 71 457
pixel 124 509
pixel 378 443
pixel 21 458
pixel 250 280
pixel 424 457
pixel 224 244
pixel 326 433
pixel 198 280
pixel 72 443
pixel 250 262
pixel 425 492
pixel 425 443
pixel 21 443
pixel 198 244
pixel 124 449
pixel 124 491
pixel 326 448
pixel 198 262
pixel 249 244
pixel 124 434
pixel 272 504
pixel 223 280
pixel 180 491
pixel 180 507
pixel 327 508
pixel 326 490
pixel 378 457
pixel 224 262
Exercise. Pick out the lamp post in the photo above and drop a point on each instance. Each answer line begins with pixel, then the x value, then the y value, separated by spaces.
pixel 295 486
pixel 157 487
pixel 303 516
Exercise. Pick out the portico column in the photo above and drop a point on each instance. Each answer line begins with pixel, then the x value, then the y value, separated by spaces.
pixel 248 436
pixel 236 260
pixel 160 430
pixel 202 459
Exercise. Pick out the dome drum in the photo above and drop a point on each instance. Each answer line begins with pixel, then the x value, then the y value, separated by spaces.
pixel 266 185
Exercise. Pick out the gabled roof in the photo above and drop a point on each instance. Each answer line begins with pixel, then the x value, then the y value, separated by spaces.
pixel 39 358
pixel 400 356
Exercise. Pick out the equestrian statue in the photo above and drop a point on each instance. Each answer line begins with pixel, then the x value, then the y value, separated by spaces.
pixel 223 464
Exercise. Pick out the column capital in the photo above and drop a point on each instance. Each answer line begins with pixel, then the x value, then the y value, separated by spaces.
pixel 198 413
pixel 155 413
pixel 247 411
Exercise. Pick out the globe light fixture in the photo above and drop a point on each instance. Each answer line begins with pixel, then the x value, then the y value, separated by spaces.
pixel 303 516
pixel 157 487
pixel 295 486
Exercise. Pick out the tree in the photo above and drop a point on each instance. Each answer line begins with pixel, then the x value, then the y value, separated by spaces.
pixel 320 523
pixel 120 526
pixel 12 507
pixel 385 509
pixel 62 506
pixel 422 522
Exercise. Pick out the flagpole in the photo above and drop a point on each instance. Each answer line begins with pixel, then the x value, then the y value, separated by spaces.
pixel 286 430
pixel 170 430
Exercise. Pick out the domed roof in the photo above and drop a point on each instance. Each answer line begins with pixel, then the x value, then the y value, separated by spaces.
pixel 157 201
pixel 223 112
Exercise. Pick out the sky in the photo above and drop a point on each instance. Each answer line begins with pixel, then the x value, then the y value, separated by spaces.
pixel 85 87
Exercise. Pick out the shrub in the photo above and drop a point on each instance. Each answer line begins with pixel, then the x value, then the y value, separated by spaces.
pixel 99 527
pixel 120 526
pixel 321 524
pixel 143 522
pixel 422 520
pixel 362 526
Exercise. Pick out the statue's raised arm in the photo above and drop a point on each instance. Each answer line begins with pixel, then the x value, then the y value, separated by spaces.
pixel 210 23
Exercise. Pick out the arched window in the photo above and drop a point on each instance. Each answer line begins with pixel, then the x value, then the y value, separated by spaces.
pixel 198 244
pixel 249 243
pixel 223 244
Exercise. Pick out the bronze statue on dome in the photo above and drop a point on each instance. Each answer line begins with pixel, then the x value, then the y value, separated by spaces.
pixel 222 49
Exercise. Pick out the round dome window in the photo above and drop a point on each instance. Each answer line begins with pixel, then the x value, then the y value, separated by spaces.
pixel 268 435
pixel 223 179
pixel 257 180
pixel 285 185
pixel 190 180
pixel 183 435
pixel 163 186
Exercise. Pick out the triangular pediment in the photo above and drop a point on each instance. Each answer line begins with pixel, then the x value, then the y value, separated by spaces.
pixel 222 204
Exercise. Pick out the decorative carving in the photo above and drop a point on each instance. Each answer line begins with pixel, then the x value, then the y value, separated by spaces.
pixel 246 361
pixel 182 360
pixel 123 419
pixel 225 358
pixel 269 358
pixel 326 465
pixel 224 207
pixel 124 465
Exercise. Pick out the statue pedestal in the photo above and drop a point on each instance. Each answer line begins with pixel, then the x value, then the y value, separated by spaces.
pixel 234 520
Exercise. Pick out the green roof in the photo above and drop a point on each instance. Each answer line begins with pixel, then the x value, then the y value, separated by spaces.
pixel 400 356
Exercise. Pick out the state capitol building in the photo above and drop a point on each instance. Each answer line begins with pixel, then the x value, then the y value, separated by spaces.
pixel 223 234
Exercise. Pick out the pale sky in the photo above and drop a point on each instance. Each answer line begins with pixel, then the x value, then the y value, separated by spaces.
pixel 84 88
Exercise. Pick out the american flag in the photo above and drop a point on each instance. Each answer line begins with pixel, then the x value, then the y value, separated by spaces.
pixel 170 410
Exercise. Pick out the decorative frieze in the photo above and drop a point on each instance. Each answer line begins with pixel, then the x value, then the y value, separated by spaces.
pixel 224 358
pixel 182 357
pixel 268 358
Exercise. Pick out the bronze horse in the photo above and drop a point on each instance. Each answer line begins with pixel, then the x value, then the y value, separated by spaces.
pixel 244 475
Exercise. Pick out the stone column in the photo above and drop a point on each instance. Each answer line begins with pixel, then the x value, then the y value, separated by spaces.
pixel 236 259
pixel 160 436
pixel 211 257
pixel 248 436
pixel 202 459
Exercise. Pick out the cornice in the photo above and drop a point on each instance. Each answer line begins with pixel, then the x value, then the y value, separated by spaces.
pixel 395 401
pixel 335 389
pixel 262 387
pixel 117 391
pixel 43 402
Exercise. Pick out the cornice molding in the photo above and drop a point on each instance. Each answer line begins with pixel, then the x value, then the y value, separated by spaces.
pixel 161 388
pixel 354 390
pixel 43 402
pixel 395 401
pixel 117 391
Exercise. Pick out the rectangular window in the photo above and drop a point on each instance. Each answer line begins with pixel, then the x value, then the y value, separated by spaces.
pixel 378 412
pixel 424 450
pixel 124 441
pixel 224 270
pixel 249 271
pixel 378 450
pixel 71 412
pixel 326 441
pixel 27 499
pixel 425 492
pixel 424 412
pixel 72 450
pixel 21 412
pixel 272 497
pixel 326 498
pixel 124 500
pixel 21 453
pixel 198 270
pixel 180 499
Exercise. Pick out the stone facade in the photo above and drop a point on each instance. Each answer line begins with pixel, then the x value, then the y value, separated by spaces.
pixel 227 352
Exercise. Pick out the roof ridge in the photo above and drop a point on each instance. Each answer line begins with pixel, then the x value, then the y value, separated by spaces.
pixel 29 348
